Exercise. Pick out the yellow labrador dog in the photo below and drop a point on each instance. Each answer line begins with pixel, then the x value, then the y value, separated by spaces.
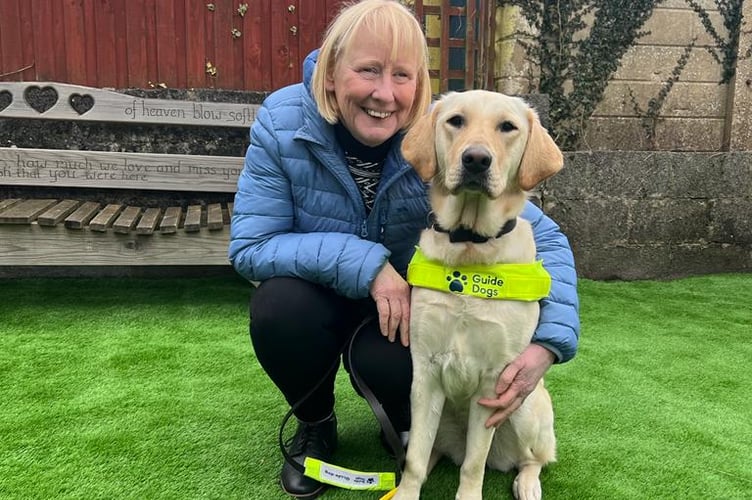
pixel 481 151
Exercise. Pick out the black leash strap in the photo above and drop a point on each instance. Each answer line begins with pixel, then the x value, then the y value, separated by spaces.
pixel 395 443
pixel 386 425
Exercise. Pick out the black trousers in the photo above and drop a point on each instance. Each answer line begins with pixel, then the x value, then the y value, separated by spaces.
pixel 298 330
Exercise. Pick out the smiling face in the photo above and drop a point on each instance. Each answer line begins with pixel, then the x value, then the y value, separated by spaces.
pixel 374 87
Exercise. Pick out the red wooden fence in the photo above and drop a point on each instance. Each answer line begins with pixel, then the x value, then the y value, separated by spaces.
pixel 239 44
pixel 177 43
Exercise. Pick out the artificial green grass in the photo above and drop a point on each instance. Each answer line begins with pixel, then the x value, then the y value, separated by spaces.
pixel 149 389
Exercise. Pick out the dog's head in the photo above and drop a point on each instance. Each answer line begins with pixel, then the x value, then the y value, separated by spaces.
pixel 481 144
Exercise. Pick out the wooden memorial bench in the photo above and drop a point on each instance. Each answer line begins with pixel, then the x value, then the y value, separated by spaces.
pixel 64 207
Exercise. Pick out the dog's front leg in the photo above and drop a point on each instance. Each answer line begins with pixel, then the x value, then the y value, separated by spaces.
pixel 479 439
pixel 427 402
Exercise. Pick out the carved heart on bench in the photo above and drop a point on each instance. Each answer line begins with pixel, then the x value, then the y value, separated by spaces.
pixel 40 99
pixel 5 99
pixel 81 103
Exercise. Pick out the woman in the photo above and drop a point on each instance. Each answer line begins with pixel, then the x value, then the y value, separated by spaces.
pixel 326 216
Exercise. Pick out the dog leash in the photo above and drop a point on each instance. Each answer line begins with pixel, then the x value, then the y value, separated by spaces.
pixel 340 476
pixel 392 437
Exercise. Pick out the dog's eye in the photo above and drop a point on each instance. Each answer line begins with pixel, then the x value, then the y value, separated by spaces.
pixel 507 126
pixel 456 121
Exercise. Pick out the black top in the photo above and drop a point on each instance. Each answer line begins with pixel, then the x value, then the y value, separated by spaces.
pixel 364 162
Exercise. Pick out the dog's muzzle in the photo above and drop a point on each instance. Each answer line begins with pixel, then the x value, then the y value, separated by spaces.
pixel 476 162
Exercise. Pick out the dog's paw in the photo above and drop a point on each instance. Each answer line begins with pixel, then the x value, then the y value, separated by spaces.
pixel 527 487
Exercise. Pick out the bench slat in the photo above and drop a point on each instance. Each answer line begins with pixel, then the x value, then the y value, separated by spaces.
pixel 32 245
pixel 26 211
pixel 54 215
pixel 171 220
pixel 109 106
pixel 126 221
pixel 230 206
pixel 8 203
pixel 214 217
pixel 124 170
pixel 149 221
pixel 193 219
pixel 106 217
pixel 82 215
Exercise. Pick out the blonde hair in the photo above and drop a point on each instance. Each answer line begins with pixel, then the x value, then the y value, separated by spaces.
pixel 376 16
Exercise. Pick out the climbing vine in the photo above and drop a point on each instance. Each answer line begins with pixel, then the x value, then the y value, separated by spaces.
pixel 725 53
pixel 577 46
pixel 650 115
pixel 726 49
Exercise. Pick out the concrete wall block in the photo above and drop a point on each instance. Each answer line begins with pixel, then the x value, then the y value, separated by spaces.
pixel 513 86
pixel 708 5
pixel 684 99
pixel 730 222
pixel 737 173
pixel 669 221
pixel 653 215
pixel 655 63
pixel 740 116
pixel 678 27
pixel 615 134
pixel 689 134
pixel 571 183
pixel 696 175
pixel 677 134
pixel 630 174
pixel 608 174
pixel 512 61
pixel 701 259
pixel 593 222
pixel 659 261
pixel 629 262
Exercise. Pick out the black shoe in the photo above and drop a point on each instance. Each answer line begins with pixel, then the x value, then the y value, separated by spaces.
pixel 317 440
pixel 403 436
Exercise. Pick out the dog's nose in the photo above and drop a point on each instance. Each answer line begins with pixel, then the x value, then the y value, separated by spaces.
pixel 476 160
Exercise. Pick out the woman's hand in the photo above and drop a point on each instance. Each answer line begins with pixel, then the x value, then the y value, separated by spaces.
pixel 518 379
pixel 392 296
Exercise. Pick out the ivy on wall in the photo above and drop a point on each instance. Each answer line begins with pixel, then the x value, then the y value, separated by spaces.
pixel 727 48
pixel 577 58
pixel 576 63
pixel 649 116
pixel 725 53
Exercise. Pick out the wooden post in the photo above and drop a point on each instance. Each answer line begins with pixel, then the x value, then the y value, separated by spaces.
pixel 740 112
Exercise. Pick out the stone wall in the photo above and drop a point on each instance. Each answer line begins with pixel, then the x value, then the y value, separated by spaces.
pixel 699 114
pixel 646 215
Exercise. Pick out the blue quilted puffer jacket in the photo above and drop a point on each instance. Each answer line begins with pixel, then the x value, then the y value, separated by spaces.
pixel 298 212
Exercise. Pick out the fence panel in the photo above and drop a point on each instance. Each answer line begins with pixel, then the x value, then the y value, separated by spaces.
pixel 253 45
pixel 460 37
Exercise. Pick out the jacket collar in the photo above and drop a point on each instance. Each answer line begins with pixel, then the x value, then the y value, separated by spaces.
pixel 313 128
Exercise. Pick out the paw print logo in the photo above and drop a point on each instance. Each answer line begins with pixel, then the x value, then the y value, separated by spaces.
pixel 457 281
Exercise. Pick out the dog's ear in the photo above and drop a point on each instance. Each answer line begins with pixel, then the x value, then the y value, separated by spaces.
pixel 542 157
pixel 419 147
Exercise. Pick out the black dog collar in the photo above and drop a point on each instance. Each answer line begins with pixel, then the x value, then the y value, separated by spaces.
pixel 464 235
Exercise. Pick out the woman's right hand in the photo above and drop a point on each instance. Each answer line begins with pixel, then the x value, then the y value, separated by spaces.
pixel 392 296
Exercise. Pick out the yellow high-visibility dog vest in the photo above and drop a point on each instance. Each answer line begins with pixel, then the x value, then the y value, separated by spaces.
pixel 526 282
